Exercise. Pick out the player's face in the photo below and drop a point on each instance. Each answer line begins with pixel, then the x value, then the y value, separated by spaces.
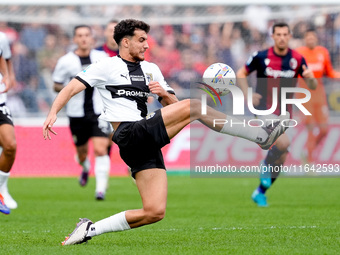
pixel 281 38
pixel 311 40
pixel 138 45
pixel 83 38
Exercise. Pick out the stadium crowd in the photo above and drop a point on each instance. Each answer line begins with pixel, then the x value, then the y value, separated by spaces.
pixel 182 51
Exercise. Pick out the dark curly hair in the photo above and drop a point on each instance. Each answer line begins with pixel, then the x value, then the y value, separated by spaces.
pixel 127 27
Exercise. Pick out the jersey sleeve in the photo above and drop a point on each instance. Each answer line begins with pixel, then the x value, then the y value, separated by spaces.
pixel 5 49
pixel 94 75
pixel 60 72
pixel 160 78
pixel 252 62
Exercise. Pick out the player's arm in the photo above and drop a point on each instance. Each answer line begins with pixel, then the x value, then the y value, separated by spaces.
pixel 11 75
pixel 165 96
pixel 309 78
pixel 11 72
pixel 6 65
pixel 4 72
pixel 61 74
pixel 72 88
pixel 159 87
pixel 330 72
pixel 242 83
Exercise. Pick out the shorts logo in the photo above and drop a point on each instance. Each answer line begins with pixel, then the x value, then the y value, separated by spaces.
pixel 150 115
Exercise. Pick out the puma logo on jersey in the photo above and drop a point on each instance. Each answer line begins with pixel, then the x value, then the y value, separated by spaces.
pixel 125 76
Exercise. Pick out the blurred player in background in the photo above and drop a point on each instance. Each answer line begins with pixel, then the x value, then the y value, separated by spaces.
pixel 279 65
pixel 110 46
pixel 83 110
pixel 319 61
pixel 7 134
pixel 124 83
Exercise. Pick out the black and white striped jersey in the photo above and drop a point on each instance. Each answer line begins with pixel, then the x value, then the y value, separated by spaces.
pixel 5 52
pixel 87 102
pixel 123 86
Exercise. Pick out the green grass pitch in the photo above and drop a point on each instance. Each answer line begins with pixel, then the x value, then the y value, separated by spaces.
pixel 204 216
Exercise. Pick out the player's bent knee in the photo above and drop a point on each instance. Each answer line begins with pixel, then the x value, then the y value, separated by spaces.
pixel 284 146
pixel 283 143
pixel 10 149
pixel 155 215
pixel 194 105
pixel 185 104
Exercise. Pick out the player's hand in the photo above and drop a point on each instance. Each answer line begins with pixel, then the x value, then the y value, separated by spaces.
pixel 47 127
pixel 156 88
pixel 150 100
pixel 307 73
pixel 256 99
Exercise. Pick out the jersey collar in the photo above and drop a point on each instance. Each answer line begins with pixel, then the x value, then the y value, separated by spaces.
pixel 129 63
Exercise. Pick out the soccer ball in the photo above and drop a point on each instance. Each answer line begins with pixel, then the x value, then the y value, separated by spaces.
pixel 220 76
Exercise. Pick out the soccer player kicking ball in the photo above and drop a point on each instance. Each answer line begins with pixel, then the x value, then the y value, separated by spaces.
pixel 124 83
pixel 278 65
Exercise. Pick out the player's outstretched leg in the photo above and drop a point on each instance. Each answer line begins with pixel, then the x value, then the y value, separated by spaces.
pixel 152 186
pixel 177 116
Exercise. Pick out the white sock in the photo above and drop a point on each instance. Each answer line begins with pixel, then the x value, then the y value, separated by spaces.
pixel 3 179
pixel 102 170
pixel 114 223
pixel 86 164
pixel 239 128
pixel 4 188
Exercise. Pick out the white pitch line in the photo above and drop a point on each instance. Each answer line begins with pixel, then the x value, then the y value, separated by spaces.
pixel 236 228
